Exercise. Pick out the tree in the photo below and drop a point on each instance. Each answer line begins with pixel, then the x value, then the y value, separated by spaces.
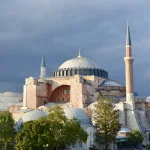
pixel 106 120
pixel 67 131
pixel 134 138
pixel 34 135
pixel 7 131
pixel 148 147
pixel 53 131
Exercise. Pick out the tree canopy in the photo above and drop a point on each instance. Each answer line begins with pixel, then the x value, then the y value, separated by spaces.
pixel 53 131
pixel 7 131
pixel 134 138
pixel 106 120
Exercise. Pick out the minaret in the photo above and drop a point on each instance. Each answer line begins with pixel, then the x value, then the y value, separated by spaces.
pixel 43 68
pixel 129 71
pixel 79 54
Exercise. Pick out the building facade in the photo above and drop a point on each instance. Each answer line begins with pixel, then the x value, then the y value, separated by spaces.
pixel 76 85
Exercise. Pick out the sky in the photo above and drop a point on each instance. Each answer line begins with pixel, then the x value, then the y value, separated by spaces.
pixel 58 28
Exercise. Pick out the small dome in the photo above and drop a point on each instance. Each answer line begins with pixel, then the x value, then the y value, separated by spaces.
pixel 31 115
pixel 77 113
pixel 109 83
pixel 148 99
pixel 79 62
pixel 124 130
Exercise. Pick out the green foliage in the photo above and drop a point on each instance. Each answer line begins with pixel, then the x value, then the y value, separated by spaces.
pixel 54 131
pixel 134 138
pixel 106 120
pixel 148 147
pixel 7 131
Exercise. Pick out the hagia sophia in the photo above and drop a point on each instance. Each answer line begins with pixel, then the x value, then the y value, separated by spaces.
pixel 75 85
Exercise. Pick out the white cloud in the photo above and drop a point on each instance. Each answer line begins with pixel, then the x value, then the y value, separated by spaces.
pixel 8 98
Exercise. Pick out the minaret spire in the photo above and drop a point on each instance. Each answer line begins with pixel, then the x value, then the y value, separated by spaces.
pixel 128 38
pixel 43 68
pixel 129 70
pixel 79 54
pixel 43 64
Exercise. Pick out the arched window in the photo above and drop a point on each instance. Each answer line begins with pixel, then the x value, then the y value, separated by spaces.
pixel 85 71
pixel 95 72
pixel 80 144
pixel 75 72
pixel 102 74
pixel 90 71
pixel 66 72
pixel 63 73
pixel 80 71
pixel 71 72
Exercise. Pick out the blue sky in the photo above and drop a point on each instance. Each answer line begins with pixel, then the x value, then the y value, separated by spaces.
pixel 57 28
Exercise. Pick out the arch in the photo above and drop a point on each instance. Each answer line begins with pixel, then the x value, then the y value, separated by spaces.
pixel 62 93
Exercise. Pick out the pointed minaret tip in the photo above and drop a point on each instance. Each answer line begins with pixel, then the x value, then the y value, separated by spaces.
pixel 128 38
pixel 79 54
pixel 43 64
pixel 43 68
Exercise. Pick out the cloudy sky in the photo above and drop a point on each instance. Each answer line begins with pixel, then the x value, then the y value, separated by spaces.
pixel 57 28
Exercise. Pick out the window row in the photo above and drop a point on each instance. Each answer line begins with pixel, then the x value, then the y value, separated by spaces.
pixel 61 99
pixel 67 91
pixel 96 72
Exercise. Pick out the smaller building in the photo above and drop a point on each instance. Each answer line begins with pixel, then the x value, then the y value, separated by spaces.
pixel 69 113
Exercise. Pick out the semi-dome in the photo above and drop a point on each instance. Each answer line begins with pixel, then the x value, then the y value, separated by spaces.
pixel 109 83
pixel 79 62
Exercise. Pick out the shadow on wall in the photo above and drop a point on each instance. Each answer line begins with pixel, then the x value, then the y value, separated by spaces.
pixel 60 94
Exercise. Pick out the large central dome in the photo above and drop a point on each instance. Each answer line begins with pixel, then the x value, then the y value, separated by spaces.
pixel 81 66
pixel 79 62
